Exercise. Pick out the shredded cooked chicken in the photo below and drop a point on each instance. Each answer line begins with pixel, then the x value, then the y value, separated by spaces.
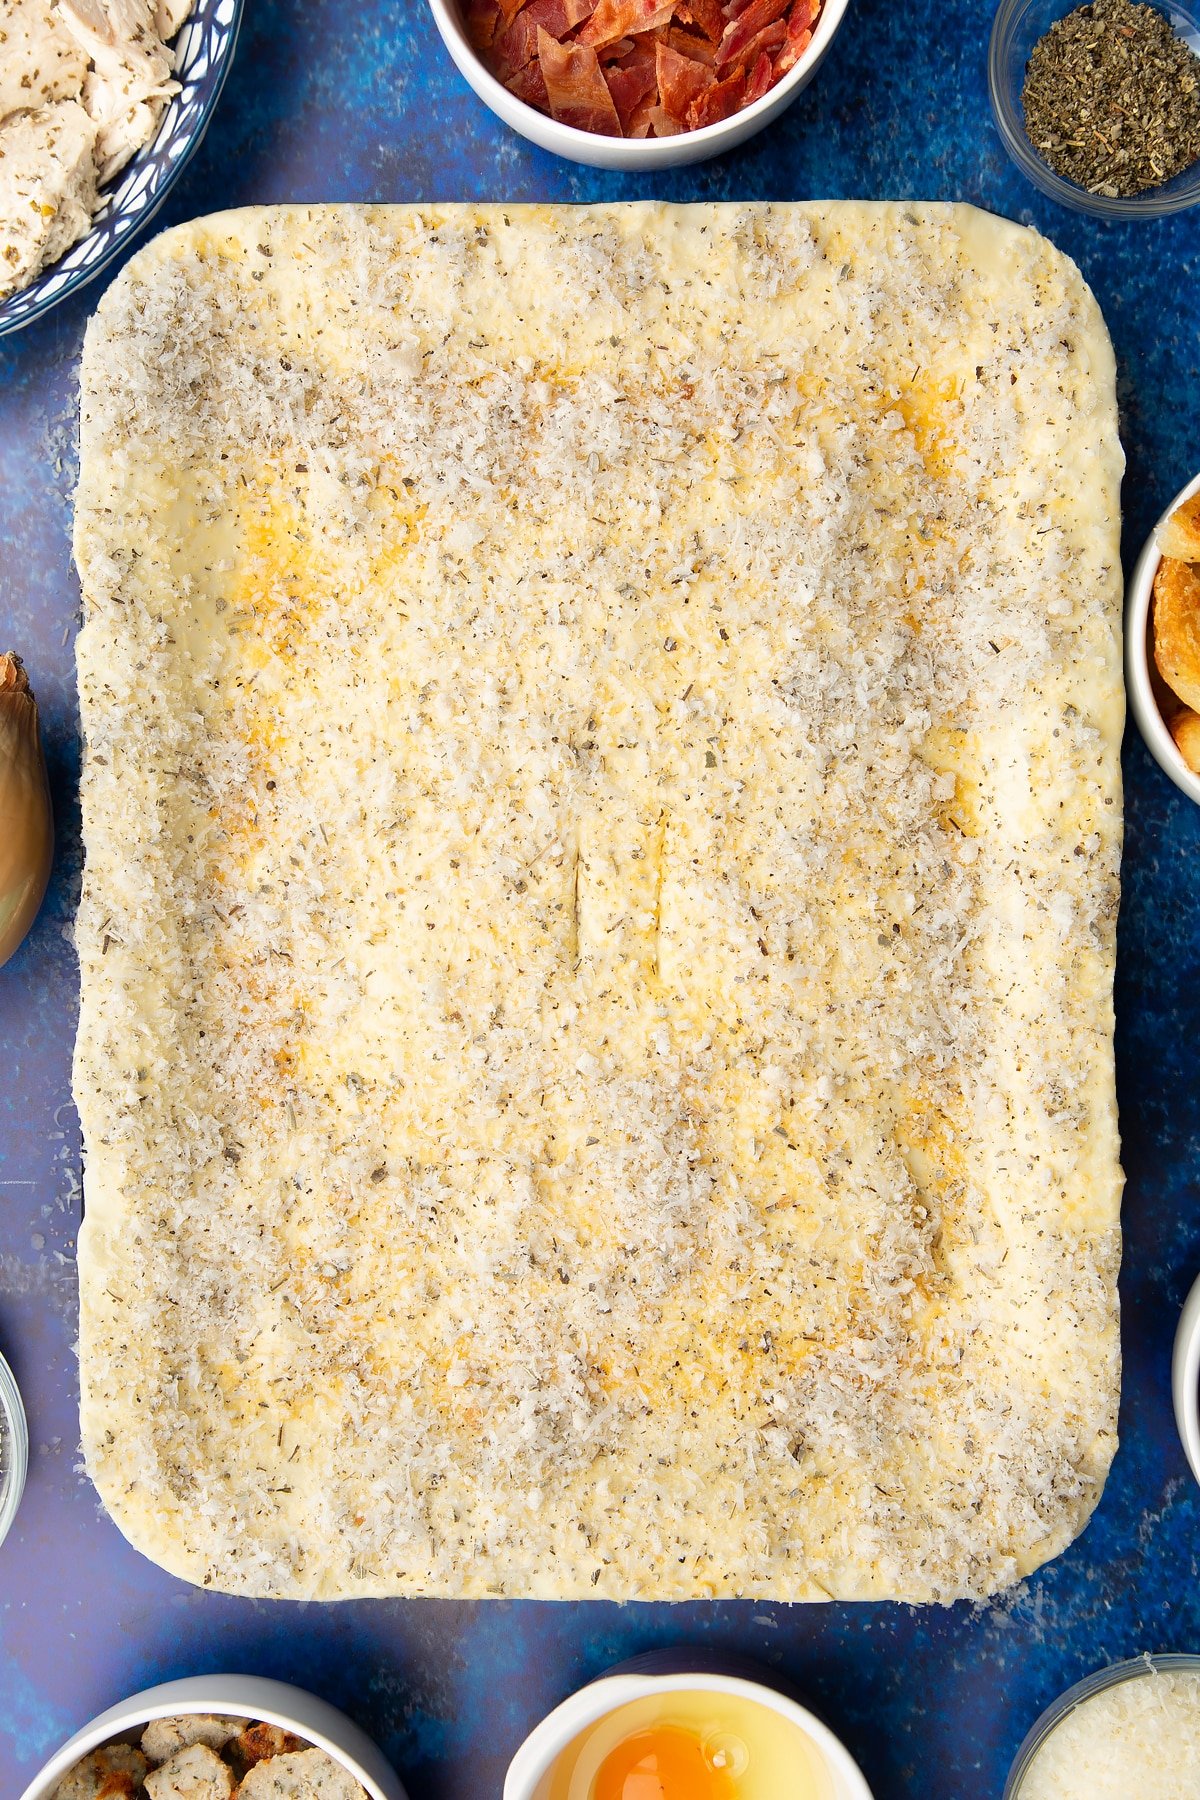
pixel 83 84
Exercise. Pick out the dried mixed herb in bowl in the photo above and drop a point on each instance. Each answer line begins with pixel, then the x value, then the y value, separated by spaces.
pixel 1112 99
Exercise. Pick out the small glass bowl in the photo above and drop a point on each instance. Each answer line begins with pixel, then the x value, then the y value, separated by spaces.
pixel 1132 1670
pixel 14 1448
pixel 1018 26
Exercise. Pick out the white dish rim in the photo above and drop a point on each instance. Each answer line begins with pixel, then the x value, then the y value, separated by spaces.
pixel 1185 1378
pixel 601 152
pixel 1144 706
pixel 239 1696
pixel 546 1742
pixel 12 1477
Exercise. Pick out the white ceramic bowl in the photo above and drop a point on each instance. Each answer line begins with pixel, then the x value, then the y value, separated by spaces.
pixel 237 1696
pixel 14 1449
pixel 633 153
pixel 1138 660
pixel 1185 1379
pixel 544 1745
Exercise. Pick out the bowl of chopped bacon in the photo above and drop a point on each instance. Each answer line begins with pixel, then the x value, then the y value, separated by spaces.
pixel 638 84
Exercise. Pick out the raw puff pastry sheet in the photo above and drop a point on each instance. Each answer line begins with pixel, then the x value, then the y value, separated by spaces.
pixel 602 818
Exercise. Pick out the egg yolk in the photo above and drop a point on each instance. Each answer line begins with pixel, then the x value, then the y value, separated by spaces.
pixel 663 1763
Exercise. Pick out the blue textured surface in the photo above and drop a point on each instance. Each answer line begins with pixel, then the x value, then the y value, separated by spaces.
pixel 354 102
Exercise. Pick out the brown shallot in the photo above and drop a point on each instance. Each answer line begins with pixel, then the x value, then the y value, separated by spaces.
pixel 26 820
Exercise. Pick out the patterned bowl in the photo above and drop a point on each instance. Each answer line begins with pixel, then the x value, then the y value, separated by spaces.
pixel 204 51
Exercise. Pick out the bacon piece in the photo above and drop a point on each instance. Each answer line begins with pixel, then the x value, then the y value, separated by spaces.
pixel 770 39
pixel 515 46
pixel 575 86
pixel 529 85
pixel 662 124
pixel 640 68
pixel 740 33
pixel 640 125
pixel 705 15
pixel 510 51
pixel 623 18
pixel 717 102
pixel 481 20
pixel 801 20
pixel 633 84
pixel 791 53
pixel 688 44
pixel 680 81
pixel 762 76
pixel 518 44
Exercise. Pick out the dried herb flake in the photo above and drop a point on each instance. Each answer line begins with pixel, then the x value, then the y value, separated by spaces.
pixel 1112 99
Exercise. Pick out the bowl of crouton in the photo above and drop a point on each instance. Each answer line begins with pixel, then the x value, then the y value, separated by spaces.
pixel 1162 641
pixel 219 1737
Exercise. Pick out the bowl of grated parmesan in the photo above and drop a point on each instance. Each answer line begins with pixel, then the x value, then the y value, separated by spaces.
pixel 1131 1729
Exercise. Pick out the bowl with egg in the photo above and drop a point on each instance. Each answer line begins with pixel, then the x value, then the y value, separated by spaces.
pixel 1162 641
pixel 682 1728
pixel 215 1736
pixel 102 103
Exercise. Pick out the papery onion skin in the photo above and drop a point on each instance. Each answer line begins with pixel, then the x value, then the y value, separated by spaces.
pixel 26 817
